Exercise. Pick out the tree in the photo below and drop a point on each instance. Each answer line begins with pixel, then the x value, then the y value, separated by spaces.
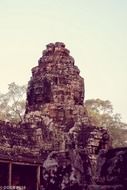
pixel 101 114
pixel 12 103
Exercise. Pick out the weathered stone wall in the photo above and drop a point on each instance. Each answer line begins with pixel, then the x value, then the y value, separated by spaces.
pixel 56 120
pixel 17 142
pixel 111 170
pixel 55 100
pixel 56 89
pixel 113 167
pixel 55 81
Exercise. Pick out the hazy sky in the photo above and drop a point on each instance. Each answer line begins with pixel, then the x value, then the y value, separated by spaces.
pixel 95 31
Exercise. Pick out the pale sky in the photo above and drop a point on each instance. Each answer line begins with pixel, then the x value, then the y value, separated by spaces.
pixel 95 31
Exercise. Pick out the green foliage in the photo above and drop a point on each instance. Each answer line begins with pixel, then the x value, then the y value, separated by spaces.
pixel 12 103
pixel 101 114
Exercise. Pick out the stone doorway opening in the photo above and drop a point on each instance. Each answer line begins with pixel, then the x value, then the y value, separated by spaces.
pixel 24 176
pixel 3 174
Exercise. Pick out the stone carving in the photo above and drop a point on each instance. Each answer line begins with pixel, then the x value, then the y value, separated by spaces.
pixel 56 120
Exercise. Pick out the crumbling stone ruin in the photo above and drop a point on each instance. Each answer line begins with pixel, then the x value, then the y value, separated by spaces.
pixel 111 170
pixel 56 146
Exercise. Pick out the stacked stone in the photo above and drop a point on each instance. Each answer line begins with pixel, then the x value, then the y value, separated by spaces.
pixel 55 103
pixel 56 88
pixel 55 80
pixel 111 170
pixel 17 142
pixel 55 96
pixel 55 108
pixel 55 117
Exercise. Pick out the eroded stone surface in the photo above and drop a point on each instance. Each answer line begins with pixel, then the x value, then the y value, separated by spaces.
pixel 56 89
pixel 113 168
pixel 56 120
pixel 55 83
pixel 55 102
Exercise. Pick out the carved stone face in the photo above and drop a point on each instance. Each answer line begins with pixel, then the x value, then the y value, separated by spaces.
pixel 54 77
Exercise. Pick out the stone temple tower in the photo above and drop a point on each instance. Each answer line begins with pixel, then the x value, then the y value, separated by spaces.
pixel 55 102
pixel 56 80
pixel 56 89
pixel 56 136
